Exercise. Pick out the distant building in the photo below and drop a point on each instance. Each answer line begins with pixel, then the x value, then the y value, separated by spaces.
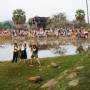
pixel 38 22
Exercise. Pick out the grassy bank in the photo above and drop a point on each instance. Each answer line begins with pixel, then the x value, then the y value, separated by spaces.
pixel 15 76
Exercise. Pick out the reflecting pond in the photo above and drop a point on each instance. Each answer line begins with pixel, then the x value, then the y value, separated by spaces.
pixel 6 52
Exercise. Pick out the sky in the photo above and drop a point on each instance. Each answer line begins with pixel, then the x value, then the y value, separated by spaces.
pixel 41 7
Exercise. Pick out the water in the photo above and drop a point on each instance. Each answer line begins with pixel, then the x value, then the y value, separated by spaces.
pixel 6 52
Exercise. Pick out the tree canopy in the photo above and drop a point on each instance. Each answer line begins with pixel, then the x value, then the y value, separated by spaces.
pixel 58 20
pixel 19 17
pixel 7 25
pixel 80 15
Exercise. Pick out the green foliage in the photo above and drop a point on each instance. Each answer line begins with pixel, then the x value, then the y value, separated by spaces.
pixel 80 49
pixel 7 25
pixel 80 15
pixel 58 20
pixel 19 16
pixel 1 25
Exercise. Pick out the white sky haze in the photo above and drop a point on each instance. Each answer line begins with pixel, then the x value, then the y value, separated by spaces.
pixel 41 7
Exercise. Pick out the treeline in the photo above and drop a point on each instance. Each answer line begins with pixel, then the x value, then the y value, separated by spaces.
pixel 56 21
pixel 7 25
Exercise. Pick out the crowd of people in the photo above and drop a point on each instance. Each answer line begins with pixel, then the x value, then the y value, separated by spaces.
pixel 57 32
pixel 20 53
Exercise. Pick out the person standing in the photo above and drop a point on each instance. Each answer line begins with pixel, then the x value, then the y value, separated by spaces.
pixel 34 50
pixel 24 52
pixel 19 51
pixel 15 53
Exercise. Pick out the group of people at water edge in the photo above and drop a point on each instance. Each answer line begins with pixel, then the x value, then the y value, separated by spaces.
pixel 20 53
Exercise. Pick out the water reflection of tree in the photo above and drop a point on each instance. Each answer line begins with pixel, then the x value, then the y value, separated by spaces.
pixel 59 50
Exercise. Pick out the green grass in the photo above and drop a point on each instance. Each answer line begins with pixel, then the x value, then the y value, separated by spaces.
pixel 83 76
pixel 15 76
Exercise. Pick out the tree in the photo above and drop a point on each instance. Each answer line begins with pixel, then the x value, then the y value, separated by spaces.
pixel 7 25
pixel 1 25
pixel 80 15
pixel 19 18
pixel 59 20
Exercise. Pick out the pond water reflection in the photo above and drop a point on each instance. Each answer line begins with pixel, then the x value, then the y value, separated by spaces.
pixel 6 52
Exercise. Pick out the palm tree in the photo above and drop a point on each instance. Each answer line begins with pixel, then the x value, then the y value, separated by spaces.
pixel 80 15
pixel 19 18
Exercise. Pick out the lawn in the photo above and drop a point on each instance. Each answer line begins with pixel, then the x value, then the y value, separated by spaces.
pixel 14 76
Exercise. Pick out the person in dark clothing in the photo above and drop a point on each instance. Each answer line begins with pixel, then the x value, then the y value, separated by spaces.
pixel 15 53
pixel 34 50
pixel 19 52
pixel 24 52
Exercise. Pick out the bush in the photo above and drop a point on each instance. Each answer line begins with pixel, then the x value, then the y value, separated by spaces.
pixel 80 49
